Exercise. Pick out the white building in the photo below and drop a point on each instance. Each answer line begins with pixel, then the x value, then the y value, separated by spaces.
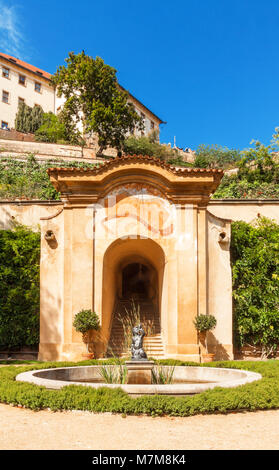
pixel 23 82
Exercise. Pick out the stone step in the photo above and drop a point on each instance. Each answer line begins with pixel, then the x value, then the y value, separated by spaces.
pixel 152 338
pixel 155 349
pixel 149 315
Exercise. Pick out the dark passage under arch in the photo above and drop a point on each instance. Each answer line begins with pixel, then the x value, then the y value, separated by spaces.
pixel 135 281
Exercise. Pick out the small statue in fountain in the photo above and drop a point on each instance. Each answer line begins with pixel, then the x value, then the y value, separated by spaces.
pixel 138 353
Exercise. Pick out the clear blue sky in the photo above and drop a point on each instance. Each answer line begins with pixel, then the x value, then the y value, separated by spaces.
pixel 209 68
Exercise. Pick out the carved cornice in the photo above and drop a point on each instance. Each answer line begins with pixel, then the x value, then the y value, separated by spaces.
pixel 179 185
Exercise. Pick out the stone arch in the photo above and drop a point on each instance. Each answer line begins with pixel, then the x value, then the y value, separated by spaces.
pixel 119 255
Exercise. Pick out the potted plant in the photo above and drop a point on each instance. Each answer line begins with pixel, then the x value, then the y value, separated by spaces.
pixel 203 324
pixel 84 321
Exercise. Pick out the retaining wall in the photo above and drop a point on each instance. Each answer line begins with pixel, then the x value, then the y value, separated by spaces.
pixel 46 151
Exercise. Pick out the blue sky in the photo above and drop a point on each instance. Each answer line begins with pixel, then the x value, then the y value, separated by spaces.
pixel 209 68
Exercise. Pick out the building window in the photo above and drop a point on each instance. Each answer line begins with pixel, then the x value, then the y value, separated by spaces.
pixel 38 87
pixel 21 79
pixel 152 125
pixel 143 121
pixel 5 72
pixel 21 100
pixel 5 96
pixel 4 125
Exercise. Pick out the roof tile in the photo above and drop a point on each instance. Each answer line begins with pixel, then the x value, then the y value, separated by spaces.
pixel 27 66
pixel 118 161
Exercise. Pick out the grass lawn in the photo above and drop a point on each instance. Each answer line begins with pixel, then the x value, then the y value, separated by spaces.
pixel 259 395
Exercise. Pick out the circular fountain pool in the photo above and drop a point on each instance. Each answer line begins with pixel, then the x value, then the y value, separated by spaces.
pixel 187 380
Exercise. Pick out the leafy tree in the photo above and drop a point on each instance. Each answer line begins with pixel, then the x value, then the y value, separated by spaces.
pixel 93 96
pixel 255 270
pixel 257 175
pixel 275 137
pixel 258 164
pixel 51 130
pixel 147 145
pixel 212 156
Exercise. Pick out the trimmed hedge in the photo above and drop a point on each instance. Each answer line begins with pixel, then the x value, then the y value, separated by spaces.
pixel 260 395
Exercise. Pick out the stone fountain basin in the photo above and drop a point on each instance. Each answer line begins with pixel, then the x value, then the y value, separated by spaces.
pixel 188 380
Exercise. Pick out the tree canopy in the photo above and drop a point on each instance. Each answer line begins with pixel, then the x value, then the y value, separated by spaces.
pixel 212 156
pixel 257 174
pixel 148 145
pixel 94 97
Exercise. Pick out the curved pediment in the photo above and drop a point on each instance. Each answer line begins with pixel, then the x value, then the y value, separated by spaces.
pixel 180 185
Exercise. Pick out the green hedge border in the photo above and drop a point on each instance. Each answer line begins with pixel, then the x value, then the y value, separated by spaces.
pixel 260 395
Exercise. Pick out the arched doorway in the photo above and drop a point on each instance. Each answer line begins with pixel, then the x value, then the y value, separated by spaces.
pixel 132 290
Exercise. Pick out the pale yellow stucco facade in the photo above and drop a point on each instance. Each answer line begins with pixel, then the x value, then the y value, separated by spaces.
pixel 106 222
pixel 135 210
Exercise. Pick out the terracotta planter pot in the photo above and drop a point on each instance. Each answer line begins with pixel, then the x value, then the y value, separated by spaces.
pixel 207 357
pixel 88 355
pixel 202 337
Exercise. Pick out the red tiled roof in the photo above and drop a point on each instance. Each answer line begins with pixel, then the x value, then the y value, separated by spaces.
pixel 26 66
pixel 47 75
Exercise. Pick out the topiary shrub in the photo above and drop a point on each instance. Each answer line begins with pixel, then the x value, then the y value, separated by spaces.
pixel 204 322
pixel 84 321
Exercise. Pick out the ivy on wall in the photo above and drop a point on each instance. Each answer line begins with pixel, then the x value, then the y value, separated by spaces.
pixel 255 272
pixel 19 287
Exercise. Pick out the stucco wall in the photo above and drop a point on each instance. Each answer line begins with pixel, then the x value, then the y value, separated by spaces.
pixel 26 212
pixel 246 210
pixel 45 98
pixel 29 212
pixel 51 285
pixel 219 286
pixel 196 275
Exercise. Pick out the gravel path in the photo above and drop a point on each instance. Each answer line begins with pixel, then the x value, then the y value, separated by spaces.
pixel 25 429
